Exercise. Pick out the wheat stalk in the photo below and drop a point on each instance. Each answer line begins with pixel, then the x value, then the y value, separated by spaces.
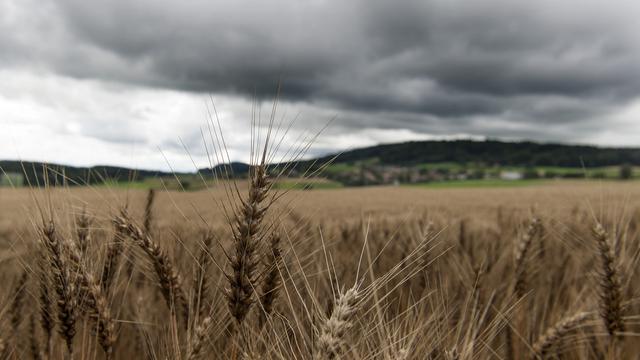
pixel 83 232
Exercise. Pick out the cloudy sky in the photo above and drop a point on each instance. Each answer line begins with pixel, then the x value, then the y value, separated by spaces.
pixel 127 82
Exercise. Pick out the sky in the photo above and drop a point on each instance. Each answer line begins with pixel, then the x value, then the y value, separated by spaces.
pixel 132 83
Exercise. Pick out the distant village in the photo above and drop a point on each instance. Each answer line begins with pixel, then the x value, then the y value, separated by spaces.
pixel 361 175
pixel 366 174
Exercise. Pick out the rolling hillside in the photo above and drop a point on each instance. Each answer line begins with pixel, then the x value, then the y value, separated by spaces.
pixel 401 162
pixel 492 152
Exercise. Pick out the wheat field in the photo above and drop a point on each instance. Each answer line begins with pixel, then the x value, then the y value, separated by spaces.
pixel 535 272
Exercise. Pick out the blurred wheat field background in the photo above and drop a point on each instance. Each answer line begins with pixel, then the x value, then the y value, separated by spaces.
pixel 373 273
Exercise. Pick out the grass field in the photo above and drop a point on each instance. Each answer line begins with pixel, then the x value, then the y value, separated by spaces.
pixel 439 272
pixel 480 183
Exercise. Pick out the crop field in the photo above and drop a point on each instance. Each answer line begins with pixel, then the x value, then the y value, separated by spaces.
pixel 541 271
pixel 319 180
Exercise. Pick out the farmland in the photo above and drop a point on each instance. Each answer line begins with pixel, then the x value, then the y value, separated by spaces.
pixel 437 271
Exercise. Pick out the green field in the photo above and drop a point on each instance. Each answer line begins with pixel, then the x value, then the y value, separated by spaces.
pixel 486 183
pixel 307 184
pixel 498 183
pixel 338 175
pixel 191 182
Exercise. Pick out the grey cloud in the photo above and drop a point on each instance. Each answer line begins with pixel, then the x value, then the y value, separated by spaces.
pixel 111 130
pixel 432 66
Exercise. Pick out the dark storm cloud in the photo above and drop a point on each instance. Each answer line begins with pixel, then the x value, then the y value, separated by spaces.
pixel 432 66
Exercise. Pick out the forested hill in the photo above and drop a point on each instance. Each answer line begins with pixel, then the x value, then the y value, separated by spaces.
pixel 408 154
pixel 35 173
pixel 491 153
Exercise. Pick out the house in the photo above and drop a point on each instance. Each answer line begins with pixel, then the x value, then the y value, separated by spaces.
pixel 510 175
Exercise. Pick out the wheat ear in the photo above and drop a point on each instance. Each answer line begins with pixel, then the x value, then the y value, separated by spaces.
pixel 271 281
pixel 47 322
pixel 97 303
pixel 201 285
pixel 331 342
pixel 34 344
pixel 83 231
pixel 148 211
pixel 198 340
pixel 403 354
pixel 114 253
pixel 246 236
pixel 64 285
pixel 522 251
pixel 452 354
pixel 168 276
pixel 555 333
pixel 19 293
pixel 610 289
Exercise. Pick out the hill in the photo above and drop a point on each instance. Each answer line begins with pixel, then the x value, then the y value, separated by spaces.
pixel 414 161
pixel 35 173
pixel 427 161
pixel 491 152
